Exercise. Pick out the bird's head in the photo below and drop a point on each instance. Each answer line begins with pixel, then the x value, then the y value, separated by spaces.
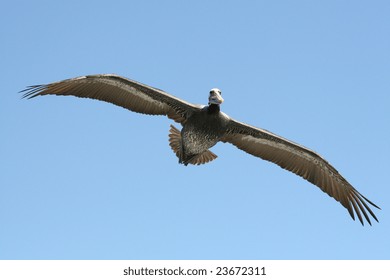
pixel 215 97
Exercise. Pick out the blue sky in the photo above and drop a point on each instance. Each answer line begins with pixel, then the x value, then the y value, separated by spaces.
pixel 82 179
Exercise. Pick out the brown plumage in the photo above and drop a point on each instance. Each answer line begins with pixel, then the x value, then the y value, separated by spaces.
pixel 204 126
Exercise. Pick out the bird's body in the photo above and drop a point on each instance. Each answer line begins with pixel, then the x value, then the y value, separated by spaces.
pixel 204 126
pixel 202 131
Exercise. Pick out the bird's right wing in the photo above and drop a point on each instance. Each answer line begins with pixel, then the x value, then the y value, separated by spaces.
pixel 120 91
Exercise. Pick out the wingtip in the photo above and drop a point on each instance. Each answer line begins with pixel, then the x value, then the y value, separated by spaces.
pixel 369 201
pixel 31 91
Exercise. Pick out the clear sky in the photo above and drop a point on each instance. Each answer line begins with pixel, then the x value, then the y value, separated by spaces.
pixel 83 179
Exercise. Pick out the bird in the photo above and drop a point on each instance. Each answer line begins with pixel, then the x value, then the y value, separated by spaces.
pixel 203 126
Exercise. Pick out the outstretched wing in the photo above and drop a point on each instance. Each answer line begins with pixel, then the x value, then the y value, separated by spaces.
pixel 120 91
pixel 301 161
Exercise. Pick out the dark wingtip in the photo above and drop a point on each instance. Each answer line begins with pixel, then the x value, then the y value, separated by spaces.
pixel 372 203
pixel 350 211
pixel 368 208
pixel 359 204
pixel 32 91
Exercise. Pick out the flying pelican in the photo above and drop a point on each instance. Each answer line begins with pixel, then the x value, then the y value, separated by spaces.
pixel 204 126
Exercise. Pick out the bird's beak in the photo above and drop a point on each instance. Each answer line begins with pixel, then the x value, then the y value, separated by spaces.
pixel 215 98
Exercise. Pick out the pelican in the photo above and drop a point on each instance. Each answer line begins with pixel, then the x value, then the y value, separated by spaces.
pixel 204 126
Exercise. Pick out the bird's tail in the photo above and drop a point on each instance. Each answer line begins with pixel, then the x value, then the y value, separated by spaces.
pixel 176 145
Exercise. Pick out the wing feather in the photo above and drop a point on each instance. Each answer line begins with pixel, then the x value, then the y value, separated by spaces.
pixel 120 91
pixel 301 161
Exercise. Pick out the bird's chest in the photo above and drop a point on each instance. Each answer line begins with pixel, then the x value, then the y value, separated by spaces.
pixel 202 132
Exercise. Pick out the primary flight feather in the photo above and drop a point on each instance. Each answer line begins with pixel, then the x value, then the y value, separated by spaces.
pixel 204 126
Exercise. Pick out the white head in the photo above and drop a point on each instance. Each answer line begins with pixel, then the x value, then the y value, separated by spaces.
pixel 215 96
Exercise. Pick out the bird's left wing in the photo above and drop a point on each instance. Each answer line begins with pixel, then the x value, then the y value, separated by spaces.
pixel 301 161
pixel 120 91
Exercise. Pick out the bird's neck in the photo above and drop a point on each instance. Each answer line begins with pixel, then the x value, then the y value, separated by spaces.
pixel 213 108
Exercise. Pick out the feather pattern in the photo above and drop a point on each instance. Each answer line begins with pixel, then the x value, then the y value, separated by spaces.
pixel 120 91
pixel 301 161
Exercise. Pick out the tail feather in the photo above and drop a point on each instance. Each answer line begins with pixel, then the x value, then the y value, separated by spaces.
pixel 175 141
pixel 203 158
pixel 176 145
